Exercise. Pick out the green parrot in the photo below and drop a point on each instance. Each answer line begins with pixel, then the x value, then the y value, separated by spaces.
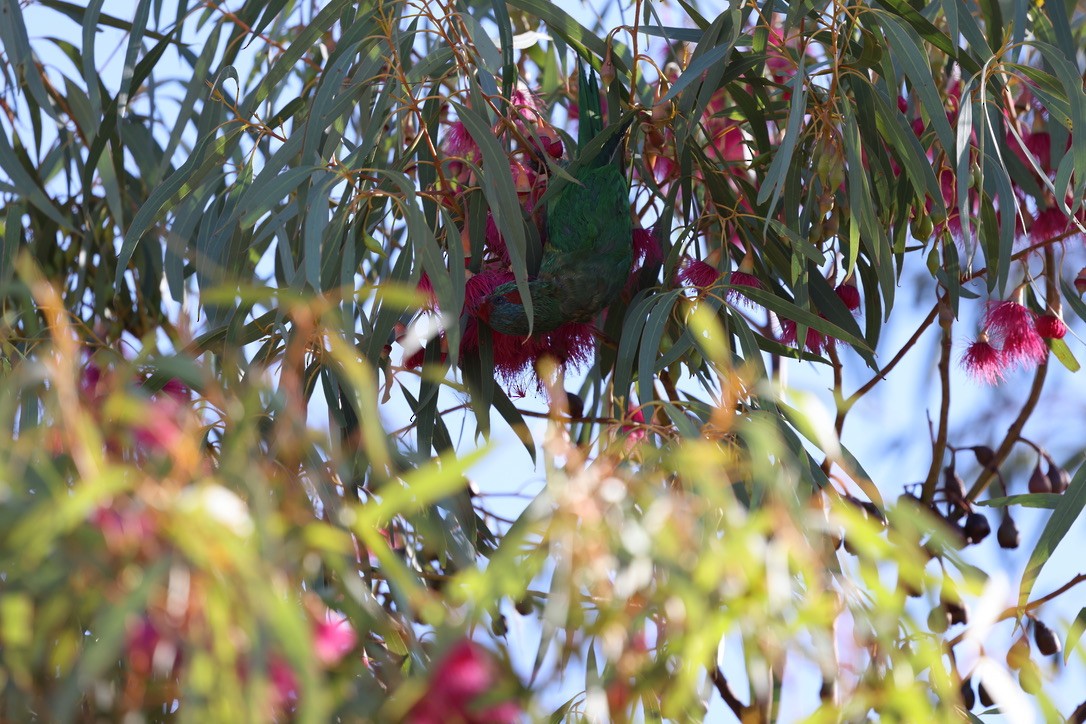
pixel 589 251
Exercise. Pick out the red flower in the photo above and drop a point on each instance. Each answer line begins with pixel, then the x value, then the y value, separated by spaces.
pixel 984 362
pixel 1050 326
pixel 284 683
pixel 1080 281
pixel 459 143
pixel 333 638
pixel 1012 325
pixel 467 672
pixel 815 341
pixel 1048 225
pixel 696 273
pixel 646 248
pixel 742 279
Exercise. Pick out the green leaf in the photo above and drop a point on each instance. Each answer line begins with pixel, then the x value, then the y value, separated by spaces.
pixel 782 160
pixel 1063 517
pixel 1078 627
pixel 501 192
pixel 1047 501
pixel 907 50
pixel 1063 353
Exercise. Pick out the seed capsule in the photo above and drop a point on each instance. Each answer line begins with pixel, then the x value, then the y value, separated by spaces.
pixel 1008 535
pixel 1045 638
pixel 976 528
pixel 958 613
pixel 938 620
pixel 969 699
pixel 985 455
pixel 1059 478
pixel 1039 482
pixel 1018 654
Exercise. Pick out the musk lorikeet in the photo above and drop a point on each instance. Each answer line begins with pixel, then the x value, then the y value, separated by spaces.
pixel 588 255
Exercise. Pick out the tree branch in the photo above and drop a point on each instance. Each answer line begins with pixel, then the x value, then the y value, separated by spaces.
pixel 939 447
pixel 726 693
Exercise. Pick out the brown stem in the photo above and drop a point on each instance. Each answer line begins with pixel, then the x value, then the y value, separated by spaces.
pixel 1015 611
pixel 897 358
pixel 1013 433
pixel 939 448
pixel 726 693
pixel 838 401
pixel 1015 430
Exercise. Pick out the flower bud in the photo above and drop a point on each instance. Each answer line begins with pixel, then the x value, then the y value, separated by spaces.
pixel 938 620
pixel 1050 326
pixel 1080 282
pixel 1039 482
pixel 985 456
pixel 607 70
pixel 1018 654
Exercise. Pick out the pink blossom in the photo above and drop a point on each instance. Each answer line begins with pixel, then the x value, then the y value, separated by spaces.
pixel 984 362
pixel 466 673
pixel 284 683
pixel 696 273
pixel 426 287
pixel 140 645
pixel 1050 326
pixel 815 341
pixel 459 143
pixel 333 638
pixel 636 432
pixel 144 643
pixel 1048 225
pixel 743 279
pixel 91 383
pixel 646 248
pixel 1012 325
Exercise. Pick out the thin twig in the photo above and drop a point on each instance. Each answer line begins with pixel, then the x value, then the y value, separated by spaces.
pixel 939 447
pixel 726 693
pixel 897 358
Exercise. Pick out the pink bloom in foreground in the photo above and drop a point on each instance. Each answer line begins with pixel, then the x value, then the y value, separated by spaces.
pixel 983 362
pixel 466 673
pixel 284 684
pixel 333 638
pixel 1013 326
